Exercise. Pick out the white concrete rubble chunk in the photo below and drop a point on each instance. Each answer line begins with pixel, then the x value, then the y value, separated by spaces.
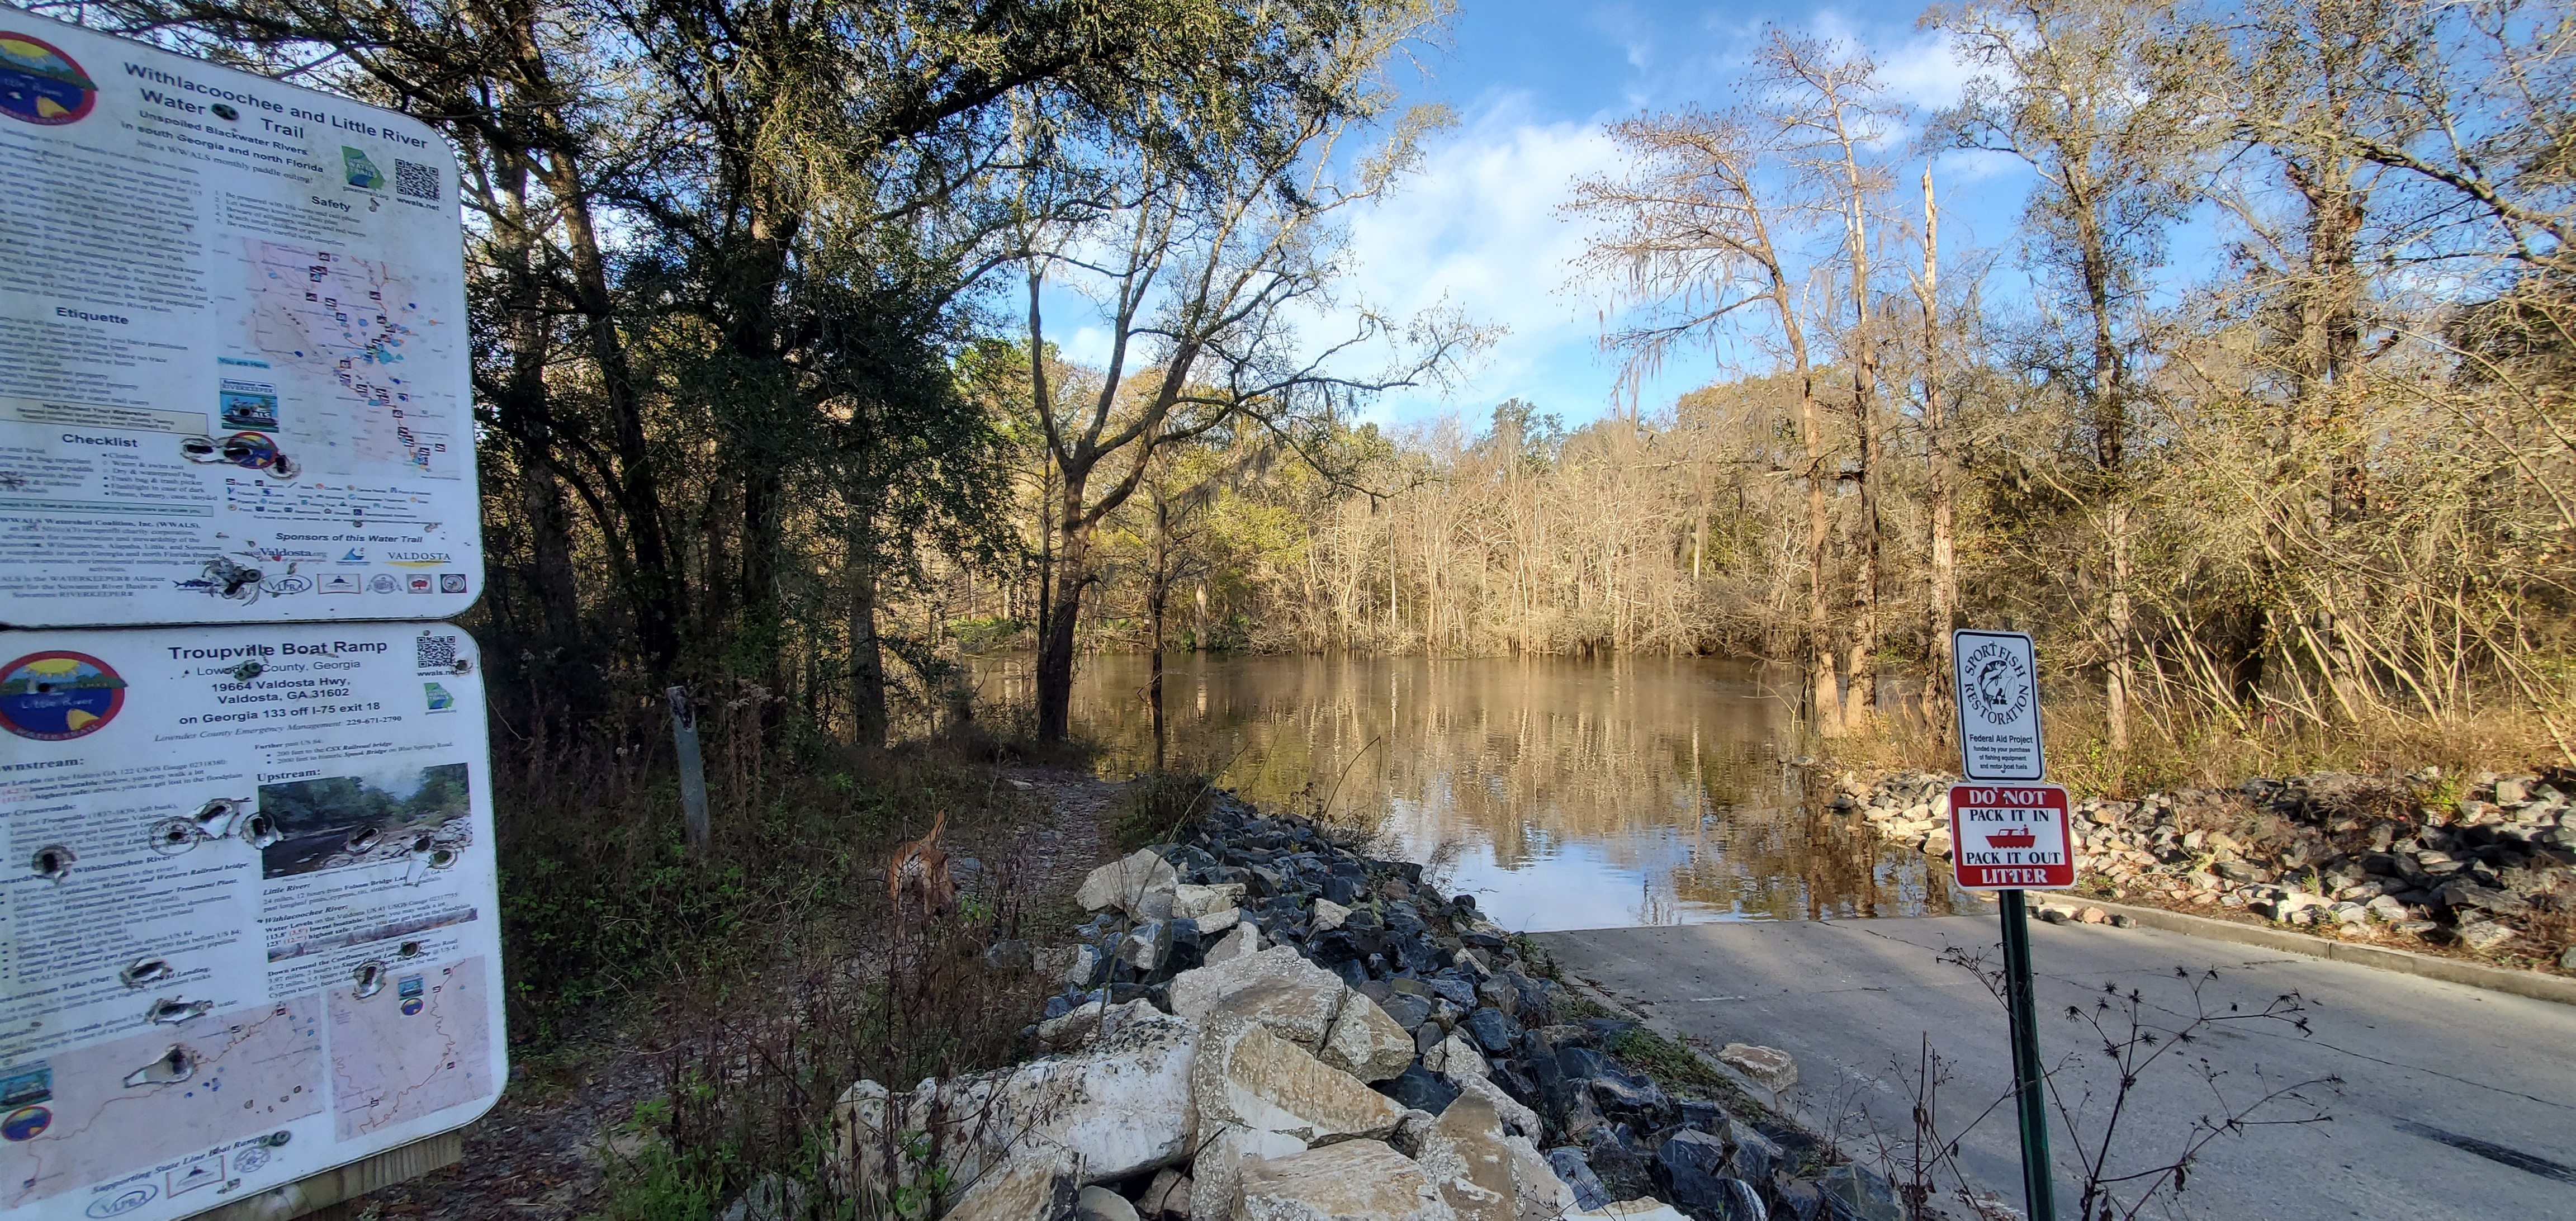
pixel 1119 1107
pixel 1457 1057
pixel 1771 1068
pixel 1365 1042
pixel 1219 1169
pixel 1036 1188
pixel 1131 884
pixel 1643 1208
pixel 1167 1196
pixel 1195 992
pixel 1191 902
pixel 1327 916
pixel 1517 1120
pixel 1298 1010
pixel 1245 1075
pixel 1218 921
pixel 1360 1180
pixel 1102 1204
pixel 1463 1155
pixel 1243 942
pixel 1539 1194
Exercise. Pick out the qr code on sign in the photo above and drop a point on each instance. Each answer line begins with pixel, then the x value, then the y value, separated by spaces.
pixel 412 180
pixel 435 652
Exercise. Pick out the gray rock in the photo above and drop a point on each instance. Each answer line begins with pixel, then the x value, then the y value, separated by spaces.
pixel 1102 1204
pixel 2459 892
pixel 2483 934
pixel 1408 1011
pixel 1799 1198
pixel 1147 946
pixel 1571 1166
pixel 1754 1156
pixel 771 1198
pixel 1492 1029
pixel 2567 960
pixel 1858 1193
pixel 1738 1201
pixel 2512 791
pixel 1694 1163
pixel 1419 1090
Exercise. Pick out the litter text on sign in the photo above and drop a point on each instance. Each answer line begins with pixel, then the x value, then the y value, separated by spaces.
pixel 2011 837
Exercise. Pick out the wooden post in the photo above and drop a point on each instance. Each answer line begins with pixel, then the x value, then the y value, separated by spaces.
pixel 693 770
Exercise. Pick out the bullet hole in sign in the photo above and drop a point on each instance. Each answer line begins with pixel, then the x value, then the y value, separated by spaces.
pixel 53 862
pixel 259 830
pixel 215 818
pixel 172 1010
pixel 146 971
pixel 172 836
pixel 370 979
pixel 248 670
pixel 465 665
pixel 279 1138
pixel 441 858
pixel 410 949
pixel 364 839
pixel 175 1065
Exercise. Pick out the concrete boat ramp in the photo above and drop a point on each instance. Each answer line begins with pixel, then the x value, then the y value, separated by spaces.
pixel 2453 1102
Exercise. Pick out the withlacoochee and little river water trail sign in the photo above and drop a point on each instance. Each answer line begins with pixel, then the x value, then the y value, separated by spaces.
pixel 234 380
pixel 249 928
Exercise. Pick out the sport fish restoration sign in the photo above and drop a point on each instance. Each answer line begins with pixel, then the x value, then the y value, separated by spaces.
pixel 248 922
pixel 233 349
pixel 2011 837
pixel 1998 702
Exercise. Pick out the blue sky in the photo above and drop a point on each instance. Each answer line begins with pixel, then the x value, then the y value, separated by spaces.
pixel 1533 84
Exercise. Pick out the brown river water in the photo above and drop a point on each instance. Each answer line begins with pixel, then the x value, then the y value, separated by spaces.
pixel 1563 794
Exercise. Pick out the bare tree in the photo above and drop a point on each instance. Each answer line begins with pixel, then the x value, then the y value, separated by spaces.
pixel 1696 239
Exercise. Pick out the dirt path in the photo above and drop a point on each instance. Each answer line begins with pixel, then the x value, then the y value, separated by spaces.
pixel 543 1153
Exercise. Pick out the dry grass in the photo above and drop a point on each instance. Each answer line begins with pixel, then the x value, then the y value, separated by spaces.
pixel 2171 753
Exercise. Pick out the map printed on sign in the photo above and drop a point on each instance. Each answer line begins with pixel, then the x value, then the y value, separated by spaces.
pixel 247 909
pixel 2011 837
pixel 233 359
pixel 1998 691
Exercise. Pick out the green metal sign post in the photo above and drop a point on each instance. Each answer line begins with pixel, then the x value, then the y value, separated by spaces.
pixel 2029 1087
pixel 2011 834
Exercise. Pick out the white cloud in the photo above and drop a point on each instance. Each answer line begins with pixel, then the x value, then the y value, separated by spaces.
pixel 1478 229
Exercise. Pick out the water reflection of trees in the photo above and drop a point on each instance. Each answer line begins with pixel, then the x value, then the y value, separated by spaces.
pixel 1670 770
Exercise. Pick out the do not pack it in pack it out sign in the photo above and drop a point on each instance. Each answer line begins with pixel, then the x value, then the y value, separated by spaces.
pixel 2011 837
pixel 247 304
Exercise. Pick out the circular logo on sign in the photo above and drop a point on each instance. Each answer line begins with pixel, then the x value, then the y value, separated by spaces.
pixel 250 1161
pixel 58 695
pixel 25 1123
pixel 125 1202
pixel 40 84
pixel 1999 686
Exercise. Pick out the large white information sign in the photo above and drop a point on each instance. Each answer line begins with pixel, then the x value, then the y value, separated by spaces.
pixel 1998 677
pixel 247 909
pixel 233 355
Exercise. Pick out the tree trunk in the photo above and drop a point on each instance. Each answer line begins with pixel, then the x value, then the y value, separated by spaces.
pixel 1945 576
pixel 867 693
pixel 653 586
pixel 1055 648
